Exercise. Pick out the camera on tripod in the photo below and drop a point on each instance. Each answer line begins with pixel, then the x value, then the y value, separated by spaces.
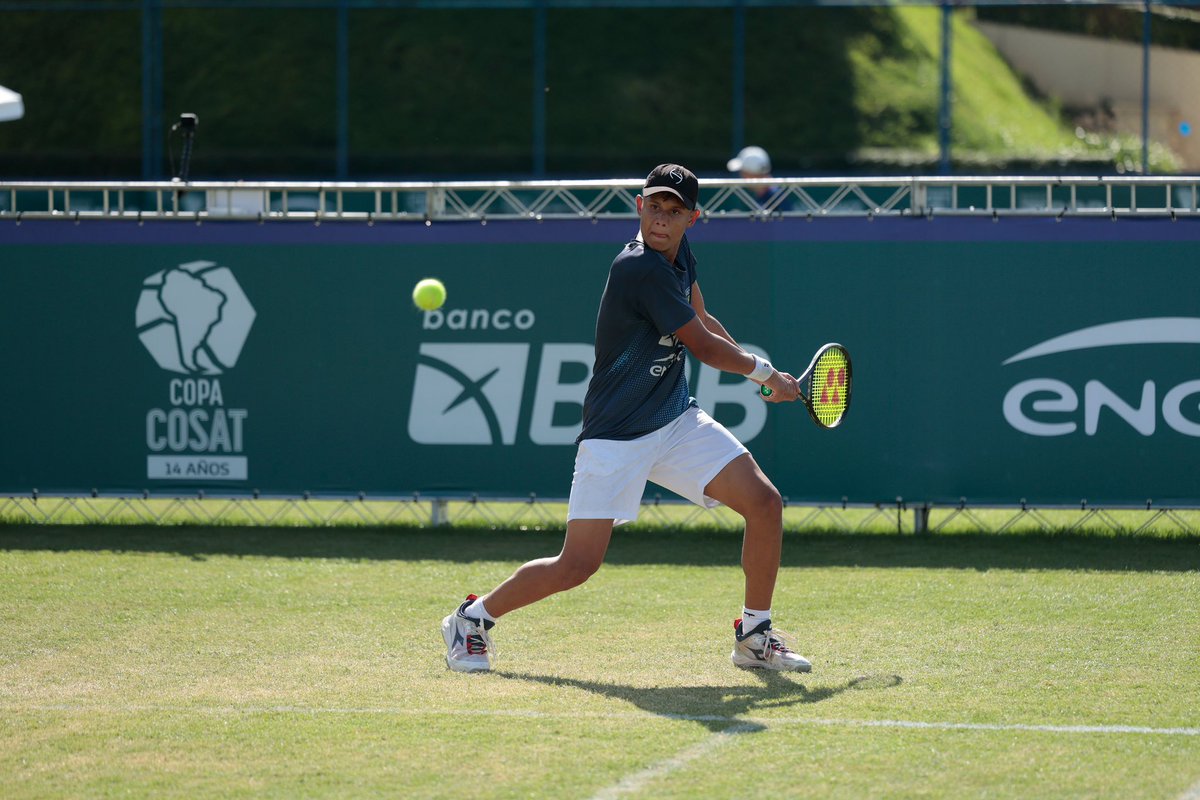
pixel 186 125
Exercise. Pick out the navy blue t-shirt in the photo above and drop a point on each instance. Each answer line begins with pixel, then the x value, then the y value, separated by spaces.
pixel 638 382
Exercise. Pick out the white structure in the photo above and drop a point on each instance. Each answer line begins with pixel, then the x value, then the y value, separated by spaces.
pixel 1086 71
pixel 11 105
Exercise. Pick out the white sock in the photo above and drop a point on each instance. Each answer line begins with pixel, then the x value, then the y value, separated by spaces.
pixel 752 618
pixel 477 611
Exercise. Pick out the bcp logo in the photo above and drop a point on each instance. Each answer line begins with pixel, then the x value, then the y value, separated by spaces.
pixel 484 393
pixel 1050 406
pixel 194 318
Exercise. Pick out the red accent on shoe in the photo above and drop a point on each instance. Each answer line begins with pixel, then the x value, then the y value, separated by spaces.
pixel 472 597
pixel 737 622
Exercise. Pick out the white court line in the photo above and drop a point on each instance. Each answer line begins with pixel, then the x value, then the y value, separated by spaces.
pixel 634 783
pixel 1139 730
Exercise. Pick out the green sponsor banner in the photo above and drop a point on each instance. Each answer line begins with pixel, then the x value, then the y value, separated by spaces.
pixel 1051 362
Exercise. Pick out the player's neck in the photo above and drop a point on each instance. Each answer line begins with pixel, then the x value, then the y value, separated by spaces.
pixel 670 255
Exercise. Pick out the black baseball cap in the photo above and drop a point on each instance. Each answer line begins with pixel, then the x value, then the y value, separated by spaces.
pixel 679 181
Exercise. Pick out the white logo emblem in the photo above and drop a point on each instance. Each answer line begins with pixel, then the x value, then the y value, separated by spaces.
pixel 677 175
pixel 194 318
pixel 467 393
pixel 1155 330
pixel 661 365
pixel 1048 406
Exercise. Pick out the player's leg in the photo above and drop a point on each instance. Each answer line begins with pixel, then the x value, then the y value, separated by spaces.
pixel 466 631
pixel 742 486
pixel 707 464
pixel 582 554
pixel 606 489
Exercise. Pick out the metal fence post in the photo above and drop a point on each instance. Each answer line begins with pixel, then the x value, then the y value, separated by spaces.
pixel 152 90
pixel 342 91
pixel 440 513
pixel 921 518
pixel 738 111
pixel 540 88
pixel 1146 89
pixel 944 120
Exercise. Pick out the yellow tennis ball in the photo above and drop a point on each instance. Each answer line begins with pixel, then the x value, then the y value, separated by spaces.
pixel 429 294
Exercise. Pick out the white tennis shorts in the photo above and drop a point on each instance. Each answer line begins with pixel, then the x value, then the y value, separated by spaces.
pixel 682 456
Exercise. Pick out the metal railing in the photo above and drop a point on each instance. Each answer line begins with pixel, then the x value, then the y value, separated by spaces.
pixel 479 201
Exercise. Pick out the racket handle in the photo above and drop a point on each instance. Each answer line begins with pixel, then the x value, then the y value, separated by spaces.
pixel 764 391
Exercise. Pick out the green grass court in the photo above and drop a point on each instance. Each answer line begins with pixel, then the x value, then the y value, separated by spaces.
pixel 300 661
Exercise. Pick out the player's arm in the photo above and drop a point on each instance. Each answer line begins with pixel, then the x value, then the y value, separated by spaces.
pixel 724 354
pixel 710 322
pixel 714 326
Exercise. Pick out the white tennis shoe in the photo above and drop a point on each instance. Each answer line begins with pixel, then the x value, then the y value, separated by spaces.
pixel 763 648
pixel 468 643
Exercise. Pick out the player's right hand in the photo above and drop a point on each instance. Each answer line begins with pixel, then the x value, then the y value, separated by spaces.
pixel 784 388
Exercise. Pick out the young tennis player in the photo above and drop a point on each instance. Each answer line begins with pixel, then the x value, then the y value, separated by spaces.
pixel 640 424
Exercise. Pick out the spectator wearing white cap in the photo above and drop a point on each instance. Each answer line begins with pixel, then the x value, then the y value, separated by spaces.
pixel 753 163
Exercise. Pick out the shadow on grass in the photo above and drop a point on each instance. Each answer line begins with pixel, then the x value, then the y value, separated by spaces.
pixel 1120 553
pixel 716 707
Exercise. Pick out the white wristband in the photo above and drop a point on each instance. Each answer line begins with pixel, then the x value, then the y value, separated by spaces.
pixel 762 370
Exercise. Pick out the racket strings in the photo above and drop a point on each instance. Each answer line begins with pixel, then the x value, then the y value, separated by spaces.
pixel 830 387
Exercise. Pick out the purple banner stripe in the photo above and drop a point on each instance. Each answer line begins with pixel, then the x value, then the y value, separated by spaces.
pixel 855 229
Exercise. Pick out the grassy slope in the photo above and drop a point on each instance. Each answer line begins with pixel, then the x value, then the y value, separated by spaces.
pixel 992 112
pixel 996 121
pixel 446 93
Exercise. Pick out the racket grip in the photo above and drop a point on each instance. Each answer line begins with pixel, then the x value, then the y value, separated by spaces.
pixel 764 391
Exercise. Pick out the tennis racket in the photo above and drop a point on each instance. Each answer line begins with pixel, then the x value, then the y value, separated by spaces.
pixel 825 386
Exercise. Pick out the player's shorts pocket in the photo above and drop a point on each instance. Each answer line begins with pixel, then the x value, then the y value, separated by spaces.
pixel 598 458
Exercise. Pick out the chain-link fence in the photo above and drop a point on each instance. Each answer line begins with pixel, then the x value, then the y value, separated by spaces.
pixel 542 514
